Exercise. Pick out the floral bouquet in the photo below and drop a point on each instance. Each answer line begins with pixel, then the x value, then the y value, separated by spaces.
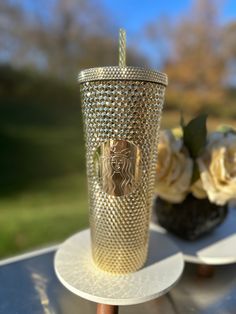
pixel 196 178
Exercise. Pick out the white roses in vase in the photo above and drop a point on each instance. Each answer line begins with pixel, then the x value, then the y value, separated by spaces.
pixel 197 163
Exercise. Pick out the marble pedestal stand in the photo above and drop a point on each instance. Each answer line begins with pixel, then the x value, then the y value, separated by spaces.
pixel 75 269
pixel 216 248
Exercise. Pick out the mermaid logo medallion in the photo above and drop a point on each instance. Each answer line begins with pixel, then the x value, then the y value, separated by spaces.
pixel 118 167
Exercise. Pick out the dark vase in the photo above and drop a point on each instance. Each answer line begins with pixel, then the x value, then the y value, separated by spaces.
pixel 190 219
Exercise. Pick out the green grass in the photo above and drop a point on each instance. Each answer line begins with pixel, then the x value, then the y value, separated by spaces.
pixel 43 216
pixel 43 197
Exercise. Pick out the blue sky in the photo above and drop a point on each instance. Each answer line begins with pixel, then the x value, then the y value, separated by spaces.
pixel 134 15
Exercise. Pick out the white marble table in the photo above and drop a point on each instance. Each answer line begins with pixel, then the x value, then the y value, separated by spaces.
pixel 28 285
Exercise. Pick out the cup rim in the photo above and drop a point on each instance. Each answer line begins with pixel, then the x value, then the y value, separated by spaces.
pixel 122 73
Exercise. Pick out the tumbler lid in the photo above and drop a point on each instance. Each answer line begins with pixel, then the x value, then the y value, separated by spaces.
pixel 122 73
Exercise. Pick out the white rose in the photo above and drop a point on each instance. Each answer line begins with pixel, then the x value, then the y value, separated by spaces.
pixel 218 168
pixel 174 169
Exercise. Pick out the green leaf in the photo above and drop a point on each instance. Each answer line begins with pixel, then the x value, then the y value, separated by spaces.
pixel 196 173
pixel 195 134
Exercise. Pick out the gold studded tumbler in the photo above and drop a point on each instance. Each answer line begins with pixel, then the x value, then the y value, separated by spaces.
pixel 122 109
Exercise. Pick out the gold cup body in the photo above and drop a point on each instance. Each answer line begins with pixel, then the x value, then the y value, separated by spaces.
pixel 122 110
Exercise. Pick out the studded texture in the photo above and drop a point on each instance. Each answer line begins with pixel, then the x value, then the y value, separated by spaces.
pixel 129 111
pixel 122 73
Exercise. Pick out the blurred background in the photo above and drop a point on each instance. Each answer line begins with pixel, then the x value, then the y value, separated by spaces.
pixel 43 45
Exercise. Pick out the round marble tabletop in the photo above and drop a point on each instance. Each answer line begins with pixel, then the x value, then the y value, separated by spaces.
pixel 75 269
pixel 216 248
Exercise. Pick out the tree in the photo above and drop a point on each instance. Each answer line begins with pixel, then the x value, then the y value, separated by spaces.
pixel 229 52
pixel 60 36
pixel 198 62
pixel 194 59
